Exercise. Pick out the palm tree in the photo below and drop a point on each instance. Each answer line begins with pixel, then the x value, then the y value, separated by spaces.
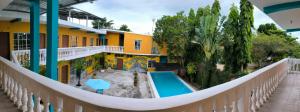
pixel 103 23
pixel 80 66
pixel 207 36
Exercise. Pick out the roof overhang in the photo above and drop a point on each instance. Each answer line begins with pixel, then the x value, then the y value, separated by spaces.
pixel 65 8
pixel 4 3
pixel 24 17
pixel 286 13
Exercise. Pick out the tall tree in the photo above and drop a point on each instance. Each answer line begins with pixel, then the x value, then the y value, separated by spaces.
pixel 244 41
pixel 208 36
pixel 103 23
pixel 230 37
pixel 173 31
pixel 215 9
pixel 124 27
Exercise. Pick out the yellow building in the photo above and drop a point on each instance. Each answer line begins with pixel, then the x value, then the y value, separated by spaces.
pixel 136 50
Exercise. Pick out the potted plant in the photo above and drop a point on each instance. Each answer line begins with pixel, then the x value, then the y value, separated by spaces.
pixel 79 66
pixel 135 80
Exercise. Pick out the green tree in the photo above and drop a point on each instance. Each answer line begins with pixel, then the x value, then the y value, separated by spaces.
pixel 124 27
pixel 215 9
pixel 208 36
pixel 103 23
pixel 268 49
pixel 173 31
pixel 230 36
pixel 244 42
pixel 79 65
pixel 271 29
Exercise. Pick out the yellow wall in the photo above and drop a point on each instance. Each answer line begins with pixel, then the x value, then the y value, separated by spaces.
pixel 60 65
pixel 129 61
pixel 129 43
pixel 112 38
pixel 24 27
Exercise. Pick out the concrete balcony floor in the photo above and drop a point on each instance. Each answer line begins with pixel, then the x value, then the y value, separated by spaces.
pixel 286 97
pixel 5 104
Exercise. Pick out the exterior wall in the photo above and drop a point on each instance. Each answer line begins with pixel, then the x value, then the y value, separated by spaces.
pixel 162 49
pixel 24 27
pixel 129 61
pixel 129 41
pixel 60 65
pixel 112 39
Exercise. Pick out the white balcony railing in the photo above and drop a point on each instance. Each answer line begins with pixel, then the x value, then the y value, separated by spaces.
pixel 245 94
pixel 23 56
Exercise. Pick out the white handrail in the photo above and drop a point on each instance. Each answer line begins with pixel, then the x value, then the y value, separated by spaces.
pixel 243 94
pixel 23 56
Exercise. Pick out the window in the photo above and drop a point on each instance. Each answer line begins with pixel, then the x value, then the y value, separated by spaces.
pixel 74 40
pixel 151 63
pixel 92 42
pixel 21 41
pixel 137 44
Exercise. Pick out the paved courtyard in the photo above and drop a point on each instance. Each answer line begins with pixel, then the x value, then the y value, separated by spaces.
pixel 121 84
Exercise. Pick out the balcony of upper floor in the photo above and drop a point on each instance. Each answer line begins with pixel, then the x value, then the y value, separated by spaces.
pixel 272 88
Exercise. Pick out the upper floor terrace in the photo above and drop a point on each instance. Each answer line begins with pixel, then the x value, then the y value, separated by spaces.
pixel 30 91
pixel 248 93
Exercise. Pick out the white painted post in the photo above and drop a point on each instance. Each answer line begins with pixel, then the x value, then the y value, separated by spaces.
pixel 46 104
pixel 24 100
pixel 11 91
pixel 38 104
pixel 15 98
pixel 30 102
pixel 78 108
pixel 19 101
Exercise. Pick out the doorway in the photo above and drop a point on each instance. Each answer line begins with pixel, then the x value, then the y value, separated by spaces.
pixel 42 41
pixel 4 45
pixel 64 74
pixel 65 41
pixel 120 64
pixel 83 41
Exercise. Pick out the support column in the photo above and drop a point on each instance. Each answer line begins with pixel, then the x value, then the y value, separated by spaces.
pixel 34 35
pixel 52 34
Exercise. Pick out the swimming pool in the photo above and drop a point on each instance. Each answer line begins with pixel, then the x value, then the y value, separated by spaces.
pixel 168 84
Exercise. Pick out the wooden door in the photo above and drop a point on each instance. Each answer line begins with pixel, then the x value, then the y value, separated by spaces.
pixel 83 41
pixel 65 41
pixel 64 74
pixel 4 45
pixel 120 64
pixel 42 41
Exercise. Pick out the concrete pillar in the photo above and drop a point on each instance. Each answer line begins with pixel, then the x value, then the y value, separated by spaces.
pixel 52 39
pixel 34 35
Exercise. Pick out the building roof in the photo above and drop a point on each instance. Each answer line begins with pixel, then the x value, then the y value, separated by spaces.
pixel 24 17
pixel 285 13
pixel 64 8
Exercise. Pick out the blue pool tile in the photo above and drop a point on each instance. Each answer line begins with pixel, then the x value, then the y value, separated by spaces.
pixel 168 84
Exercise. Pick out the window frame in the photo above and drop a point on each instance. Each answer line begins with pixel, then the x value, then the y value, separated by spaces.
pixel 137 44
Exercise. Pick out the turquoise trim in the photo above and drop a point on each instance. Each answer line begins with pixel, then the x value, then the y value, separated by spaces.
pixel 103 37
pixel 293 30
pixel 52 40
pixel 35 35
pixel 281 7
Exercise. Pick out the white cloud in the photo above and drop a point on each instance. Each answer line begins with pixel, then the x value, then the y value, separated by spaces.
pixel 138 14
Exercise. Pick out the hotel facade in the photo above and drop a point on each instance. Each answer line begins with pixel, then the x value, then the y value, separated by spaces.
pixel 101 49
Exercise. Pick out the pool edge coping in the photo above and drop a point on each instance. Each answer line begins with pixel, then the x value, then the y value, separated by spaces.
pixel 152 86
pixel 185 83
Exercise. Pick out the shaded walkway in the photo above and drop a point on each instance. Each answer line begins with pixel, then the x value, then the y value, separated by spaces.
pixel 5 104
pixel 286 97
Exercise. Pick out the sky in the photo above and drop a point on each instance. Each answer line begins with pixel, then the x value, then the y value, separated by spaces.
pixel 139 14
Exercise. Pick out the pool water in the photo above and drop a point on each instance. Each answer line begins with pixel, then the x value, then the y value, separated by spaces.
pixel 168 84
